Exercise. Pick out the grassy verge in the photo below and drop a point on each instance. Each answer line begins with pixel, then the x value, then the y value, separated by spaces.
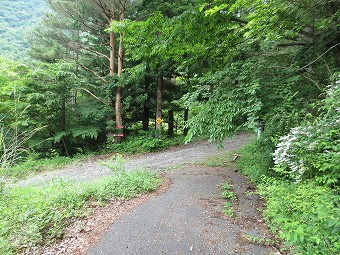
pixel 38 215
pixel 219 160
pixel 305 216
pixel 33 166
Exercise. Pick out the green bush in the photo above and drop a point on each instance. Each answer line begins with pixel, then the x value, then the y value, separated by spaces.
pixel 33 164
pixel 304 215
pixel 312 150
pixel 143 142
pixel 255 160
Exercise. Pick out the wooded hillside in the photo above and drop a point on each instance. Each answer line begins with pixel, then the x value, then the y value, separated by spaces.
pixel 17 20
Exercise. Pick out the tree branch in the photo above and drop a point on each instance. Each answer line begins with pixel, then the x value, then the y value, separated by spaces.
pixel 318 57
pixel 91 71
pixel 93 95
pixel 96 52
pixel 291 44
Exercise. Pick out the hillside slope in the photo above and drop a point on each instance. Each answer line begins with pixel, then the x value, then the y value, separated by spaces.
pixel 17 18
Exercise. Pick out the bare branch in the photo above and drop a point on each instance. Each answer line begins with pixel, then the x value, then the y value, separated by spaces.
pixel 93 95
pixel 91 71
pixel 318 57
pixel 96 52
pixel 291 44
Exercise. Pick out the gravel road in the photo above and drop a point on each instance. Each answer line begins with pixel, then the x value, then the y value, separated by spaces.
pixel 185 154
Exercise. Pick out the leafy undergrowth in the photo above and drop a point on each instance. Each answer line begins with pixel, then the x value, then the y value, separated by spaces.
pixel 304 215
pixel 142 144
pixel 31 216
pixel 34 165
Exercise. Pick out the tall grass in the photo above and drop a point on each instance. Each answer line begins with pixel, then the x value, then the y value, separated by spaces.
pixel 32 216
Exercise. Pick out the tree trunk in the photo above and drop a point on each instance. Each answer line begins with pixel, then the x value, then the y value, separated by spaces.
pixel 146 109
pixel 186 117
pixel 63 118
pixel 146 117
pixel 159 101
pixel 112 69
pixel 112 72
pixel 119 90
pixel 112 53
pixel 171 123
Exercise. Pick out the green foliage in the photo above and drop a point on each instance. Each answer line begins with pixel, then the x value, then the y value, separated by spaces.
pixel 256 160
pixel 304 215
pixel 144 142
pixel 33 164
pixel 16 21
pixel 228 209
pixel 33 216
pixel 312 150
pixel 230 102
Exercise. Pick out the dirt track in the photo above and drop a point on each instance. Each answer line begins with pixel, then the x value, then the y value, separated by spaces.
pixel 185 154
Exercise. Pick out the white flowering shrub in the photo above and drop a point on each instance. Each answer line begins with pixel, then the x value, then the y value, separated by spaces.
pixel 313 150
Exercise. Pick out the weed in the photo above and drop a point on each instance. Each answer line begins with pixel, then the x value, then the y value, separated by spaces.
pixel 34 165
pixel 259 240
pixel 228 209
pixel 227 192
pixel 116 163
pixel 230 196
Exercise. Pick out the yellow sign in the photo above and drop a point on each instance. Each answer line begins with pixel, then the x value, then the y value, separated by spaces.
pixel 159 121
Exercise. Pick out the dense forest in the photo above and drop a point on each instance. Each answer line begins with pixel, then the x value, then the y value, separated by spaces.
pixel 101 73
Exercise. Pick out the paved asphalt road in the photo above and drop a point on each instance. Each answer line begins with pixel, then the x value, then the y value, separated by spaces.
pixel 187 219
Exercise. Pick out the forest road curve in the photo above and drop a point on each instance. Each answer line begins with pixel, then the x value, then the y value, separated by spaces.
pixel 188 218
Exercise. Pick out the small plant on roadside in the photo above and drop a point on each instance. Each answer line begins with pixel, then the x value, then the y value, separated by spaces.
pixel 116 163
pixel 230 196
pixel 259 240
pixel 228 209
pixel 227 192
